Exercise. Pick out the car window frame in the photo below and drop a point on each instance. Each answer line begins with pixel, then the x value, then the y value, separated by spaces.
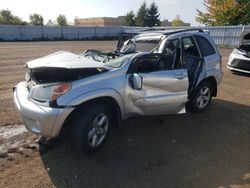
pixel 183 54
pixel 202 37
pixel 131 68
pixel 195 44
pixel 165 44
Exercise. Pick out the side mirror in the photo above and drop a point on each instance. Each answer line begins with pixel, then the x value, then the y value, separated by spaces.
pixel 137 81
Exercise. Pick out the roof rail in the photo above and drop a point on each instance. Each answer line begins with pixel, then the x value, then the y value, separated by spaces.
pixel 152 29
pixel 184 30
pixel 164 31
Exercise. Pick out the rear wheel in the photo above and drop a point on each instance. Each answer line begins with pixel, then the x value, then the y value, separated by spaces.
pixel 201 98
pixel 91 127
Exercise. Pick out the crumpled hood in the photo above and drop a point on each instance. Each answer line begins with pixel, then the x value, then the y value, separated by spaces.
pixel 245 38
pixel 64 59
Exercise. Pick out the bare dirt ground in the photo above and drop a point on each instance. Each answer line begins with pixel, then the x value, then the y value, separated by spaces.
pixel 211 149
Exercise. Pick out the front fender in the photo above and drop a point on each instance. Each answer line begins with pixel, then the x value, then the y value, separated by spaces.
pixel 107 92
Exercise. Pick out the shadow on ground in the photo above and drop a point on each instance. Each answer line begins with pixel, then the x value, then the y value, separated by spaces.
pixel 241 74
pixel 210 149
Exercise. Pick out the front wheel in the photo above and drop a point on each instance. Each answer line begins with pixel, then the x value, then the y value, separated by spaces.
pixel 91 127
pixel 201 98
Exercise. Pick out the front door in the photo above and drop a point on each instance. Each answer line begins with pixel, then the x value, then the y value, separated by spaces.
pixel 164 87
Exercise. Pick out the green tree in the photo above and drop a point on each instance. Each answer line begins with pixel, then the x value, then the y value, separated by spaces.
pixel 177 22
pixel 36 19
pixel 153 16
pixel 1 20
pixel 130 18
pixel 225 12
pixel 6 17
pixel 141 17
pixel 61 20
pixel 24 23
pixel 145 16
pixel 17 21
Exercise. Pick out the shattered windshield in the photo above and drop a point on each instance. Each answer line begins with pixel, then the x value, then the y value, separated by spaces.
pixel 116 63
pixel 141 43
pixel 146 45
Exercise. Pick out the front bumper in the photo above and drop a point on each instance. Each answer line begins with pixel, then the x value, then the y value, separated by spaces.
pixel 238 62
pixel 45 121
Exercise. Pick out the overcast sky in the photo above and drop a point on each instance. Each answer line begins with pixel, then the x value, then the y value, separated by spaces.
pixel 50 9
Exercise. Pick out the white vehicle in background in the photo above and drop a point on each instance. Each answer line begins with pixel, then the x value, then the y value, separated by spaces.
pixel 239 59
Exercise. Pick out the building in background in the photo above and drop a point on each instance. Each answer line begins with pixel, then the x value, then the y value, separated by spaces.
pixel 166 23
pixel 186 24
pixel 100 21
pixel 53 23
pixel 111 21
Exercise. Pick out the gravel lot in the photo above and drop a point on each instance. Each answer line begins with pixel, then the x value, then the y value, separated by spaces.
pixel 211 149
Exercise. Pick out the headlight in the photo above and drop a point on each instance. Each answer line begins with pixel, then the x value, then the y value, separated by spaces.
pixel 46 93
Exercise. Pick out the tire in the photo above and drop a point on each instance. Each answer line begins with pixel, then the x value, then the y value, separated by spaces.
pixel 201 97
pixel 91 127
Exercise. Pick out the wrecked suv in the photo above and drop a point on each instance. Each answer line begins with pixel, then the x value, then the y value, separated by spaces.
pixel 65 92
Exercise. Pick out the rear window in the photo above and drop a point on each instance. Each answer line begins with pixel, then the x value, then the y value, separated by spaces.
pixel 205 46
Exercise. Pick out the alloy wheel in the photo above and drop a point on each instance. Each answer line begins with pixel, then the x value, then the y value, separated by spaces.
pixel 203 97
pixel 98 130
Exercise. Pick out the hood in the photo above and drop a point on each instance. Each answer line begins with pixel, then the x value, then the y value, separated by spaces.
pixel 64 59
pixel 245 38
pixel 62 67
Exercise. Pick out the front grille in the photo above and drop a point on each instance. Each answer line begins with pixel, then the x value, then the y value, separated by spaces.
pixel 241 64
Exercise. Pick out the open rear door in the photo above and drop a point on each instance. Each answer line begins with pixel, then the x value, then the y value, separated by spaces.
pixel 194 66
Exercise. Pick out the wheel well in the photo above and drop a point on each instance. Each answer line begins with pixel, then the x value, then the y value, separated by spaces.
pixel 109 101
pixel 213 82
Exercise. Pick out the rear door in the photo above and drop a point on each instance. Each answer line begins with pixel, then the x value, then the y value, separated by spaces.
pixel 211 58
pixel 193 61
pixel 164 88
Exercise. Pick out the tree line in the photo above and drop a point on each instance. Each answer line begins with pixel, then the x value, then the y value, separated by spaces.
pixel 7 18
pixel 146 16
pixel 218 13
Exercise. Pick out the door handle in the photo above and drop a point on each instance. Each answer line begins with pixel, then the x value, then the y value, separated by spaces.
pixel 180 76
